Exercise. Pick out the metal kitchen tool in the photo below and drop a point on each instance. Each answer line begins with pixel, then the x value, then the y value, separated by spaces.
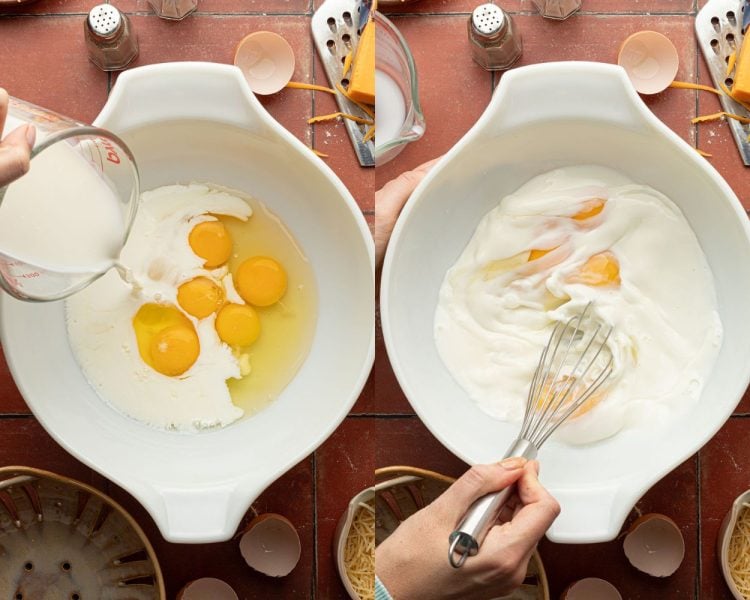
pixel 495 42
pixel 63 539
pixel 718 28
pixel 572 367
pixel 334 29
pixel 110 39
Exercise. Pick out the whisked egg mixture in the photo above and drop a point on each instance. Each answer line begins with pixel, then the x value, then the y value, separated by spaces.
pixel 564 239
pixel 214 315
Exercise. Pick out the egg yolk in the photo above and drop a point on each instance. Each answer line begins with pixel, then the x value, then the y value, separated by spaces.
pixel 552 395
pixel 261 281
pixel 536 254
pixel 599 270
pixel 590 208
pixel 200 297
pixel 167 340
pixel 211 241
pixel 238 324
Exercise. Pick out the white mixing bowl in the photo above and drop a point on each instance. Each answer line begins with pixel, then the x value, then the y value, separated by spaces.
pixel 199 122
pixel 542 117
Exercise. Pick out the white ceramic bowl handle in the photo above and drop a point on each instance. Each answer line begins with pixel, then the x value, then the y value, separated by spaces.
pixel 197 515
pixel 565 90
pixel 603 509
pixel 155 93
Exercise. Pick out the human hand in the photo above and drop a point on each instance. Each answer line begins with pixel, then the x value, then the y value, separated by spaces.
pixel 413 562
pixel 389 200
pixel 15 149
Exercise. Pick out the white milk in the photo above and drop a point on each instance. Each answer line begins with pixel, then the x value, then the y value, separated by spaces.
pixel 62 216
pixel 390 108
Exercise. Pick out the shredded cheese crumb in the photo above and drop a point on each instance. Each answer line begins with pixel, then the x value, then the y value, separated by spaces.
pixel 318 153
pixel 347 64
pixel 359 552
pixel 684 85
pixel 369 135
pixel 336 115
pixel 730 63
pixel 298 85
pixel 702 153
pixel 366 109
pixel 719 115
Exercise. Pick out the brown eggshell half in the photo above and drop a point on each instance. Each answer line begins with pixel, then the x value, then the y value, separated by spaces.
pixel 654 545
pixel 270 545
pixel 591 588
pixel 205 588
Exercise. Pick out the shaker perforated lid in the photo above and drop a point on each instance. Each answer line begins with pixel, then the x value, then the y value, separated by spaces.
pixel 488 19
pixel 104 19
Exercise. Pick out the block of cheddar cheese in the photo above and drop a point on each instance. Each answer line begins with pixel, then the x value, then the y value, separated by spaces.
pixel 741 87
pixel 362 79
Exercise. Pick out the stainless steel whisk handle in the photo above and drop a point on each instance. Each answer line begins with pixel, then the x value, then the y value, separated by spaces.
pixel 483 514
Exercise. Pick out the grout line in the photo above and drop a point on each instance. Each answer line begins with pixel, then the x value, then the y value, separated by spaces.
pixel 9 416
pixel 699 533
pixel 314 581
pixel 381 416
pixel 533 13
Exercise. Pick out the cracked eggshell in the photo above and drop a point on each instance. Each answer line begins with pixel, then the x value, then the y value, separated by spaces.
pixel 591 588
pixel 266 60
pixel 654 545
pixel 270 545
pixel 207 587
pixel 650 60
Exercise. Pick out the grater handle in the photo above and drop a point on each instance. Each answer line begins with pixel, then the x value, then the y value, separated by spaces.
pixel 483 513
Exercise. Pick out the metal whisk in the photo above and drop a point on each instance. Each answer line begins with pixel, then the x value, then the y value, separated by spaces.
pixel 572 367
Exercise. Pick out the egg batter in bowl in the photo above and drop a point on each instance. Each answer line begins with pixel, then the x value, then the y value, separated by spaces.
pixel 566 238
pixel 213 316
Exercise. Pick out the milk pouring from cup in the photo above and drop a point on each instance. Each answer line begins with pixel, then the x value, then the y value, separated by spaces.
pixel 63 224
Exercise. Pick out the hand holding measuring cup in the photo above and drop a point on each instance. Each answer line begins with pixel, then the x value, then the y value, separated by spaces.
pixel 15 148
pixel 65 216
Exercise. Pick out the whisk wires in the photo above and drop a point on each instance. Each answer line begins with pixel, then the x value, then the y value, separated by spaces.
pixel 572 367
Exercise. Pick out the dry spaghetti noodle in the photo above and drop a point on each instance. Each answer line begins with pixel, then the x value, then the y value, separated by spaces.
pixel 739 552
pixel 359 552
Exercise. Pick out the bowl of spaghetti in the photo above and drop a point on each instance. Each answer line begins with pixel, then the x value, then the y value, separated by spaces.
pixel 734 547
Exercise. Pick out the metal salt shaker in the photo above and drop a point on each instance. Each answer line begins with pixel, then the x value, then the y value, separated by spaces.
pixel 557 9
pixel 495 42
pixel 110 38
pixel 173 10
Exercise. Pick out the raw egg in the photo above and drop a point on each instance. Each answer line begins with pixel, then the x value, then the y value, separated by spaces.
pixel 261 281
pixel 167 340
pixel 599 270
pixel 211 241
pixel 200 297
pixel 238 324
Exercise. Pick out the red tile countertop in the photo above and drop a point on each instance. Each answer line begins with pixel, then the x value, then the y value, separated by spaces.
pixel 454 92
pixel 43 59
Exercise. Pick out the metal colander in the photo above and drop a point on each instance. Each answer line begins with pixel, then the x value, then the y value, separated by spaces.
pixel 61 539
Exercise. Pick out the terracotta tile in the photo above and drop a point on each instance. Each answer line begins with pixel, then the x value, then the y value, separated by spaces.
pixel 24 442
pixel 11 401
pixel 514 6
pixel 406 441
pixel 743 408
pixel 287 7
pixel 213 39
pixel 674 496
pixel 366 402
pixel 716 138
pixel 389 398
pixel 30 54
pixel 55 7
pixel 724 475
pixel 453 89
pixel 291 496
pixel 345 465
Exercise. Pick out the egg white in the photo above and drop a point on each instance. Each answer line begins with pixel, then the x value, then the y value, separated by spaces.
pixel 158 258
pixel 490 331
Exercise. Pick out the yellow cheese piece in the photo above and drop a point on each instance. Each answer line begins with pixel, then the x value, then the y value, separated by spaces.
pixel 362 80
pixel 741 87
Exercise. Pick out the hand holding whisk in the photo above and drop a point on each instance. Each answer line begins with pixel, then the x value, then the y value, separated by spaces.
pixel 572 367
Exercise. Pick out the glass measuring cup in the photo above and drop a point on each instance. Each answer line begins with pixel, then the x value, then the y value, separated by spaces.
pixel 398 114
pixel 63 224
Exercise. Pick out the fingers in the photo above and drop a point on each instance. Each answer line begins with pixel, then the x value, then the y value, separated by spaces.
pixel 475 483
pixel 15 151
pixel 3 108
